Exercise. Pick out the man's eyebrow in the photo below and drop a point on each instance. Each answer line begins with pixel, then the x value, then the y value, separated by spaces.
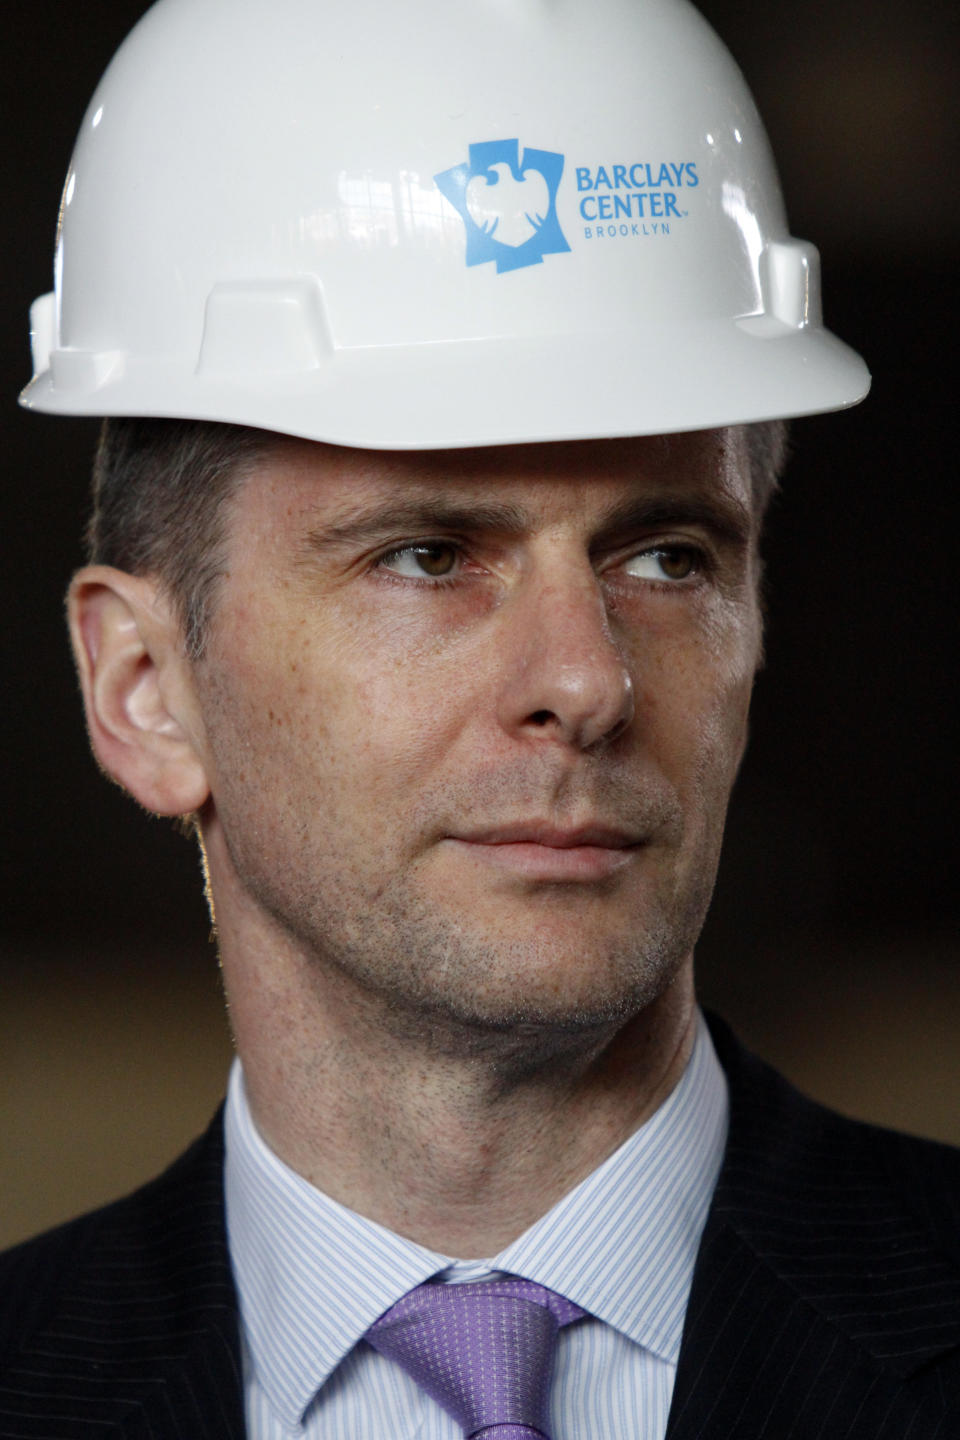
pixel 723 516
pixel 418 517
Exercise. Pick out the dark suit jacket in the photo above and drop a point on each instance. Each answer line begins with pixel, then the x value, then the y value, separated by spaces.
pixel 825 1301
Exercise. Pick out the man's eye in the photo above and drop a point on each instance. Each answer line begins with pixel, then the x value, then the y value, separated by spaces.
pixel 664 562
pixel 433 560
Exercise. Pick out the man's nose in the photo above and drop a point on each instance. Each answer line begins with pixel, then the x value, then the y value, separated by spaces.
pixel 568 679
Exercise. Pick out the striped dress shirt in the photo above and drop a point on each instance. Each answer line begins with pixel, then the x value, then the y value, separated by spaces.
pixel 312 1276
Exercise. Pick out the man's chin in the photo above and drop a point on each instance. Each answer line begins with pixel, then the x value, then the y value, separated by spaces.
pixel 541 995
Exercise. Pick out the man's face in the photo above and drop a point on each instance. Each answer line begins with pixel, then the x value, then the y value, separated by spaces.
pixel 471 719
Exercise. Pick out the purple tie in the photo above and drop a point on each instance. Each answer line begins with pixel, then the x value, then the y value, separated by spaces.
pixel 484 1351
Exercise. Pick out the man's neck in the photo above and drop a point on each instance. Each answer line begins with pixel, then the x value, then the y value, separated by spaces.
pixel 457 1141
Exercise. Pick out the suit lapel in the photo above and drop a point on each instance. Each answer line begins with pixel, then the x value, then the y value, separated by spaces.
pixel 819 1307
pixel 200 1397
pixel 142 1337
pixel 197 1393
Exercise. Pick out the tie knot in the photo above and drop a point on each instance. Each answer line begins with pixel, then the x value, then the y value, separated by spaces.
pixel 483 1351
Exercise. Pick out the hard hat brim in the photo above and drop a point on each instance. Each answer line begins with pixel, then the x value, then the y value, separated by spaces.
pixel 491 392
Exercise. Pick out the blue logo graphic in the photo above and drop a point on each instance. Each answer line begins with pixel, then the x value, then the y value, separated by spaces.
pixel 508 206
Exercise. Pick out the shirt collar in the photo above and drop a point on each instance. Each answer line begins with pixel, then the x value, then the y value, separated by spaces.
pixel 624 1242
pixel 312 1275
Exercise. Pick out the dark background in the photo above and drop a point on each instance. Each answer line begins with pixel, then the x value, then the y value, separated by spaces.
pixel 832 941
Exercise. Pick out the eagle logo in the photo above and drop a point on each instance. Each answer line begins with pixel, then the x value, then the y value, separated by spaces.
pixel 508 204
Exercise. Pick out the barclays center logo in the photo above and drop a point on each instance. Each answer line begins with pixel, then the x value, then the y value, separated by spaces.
pixel 508 205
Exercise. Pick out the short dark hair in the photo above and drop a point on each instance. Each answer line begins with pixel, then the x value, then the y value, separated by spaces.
pixel 160 493
pixel 161 487
pixel 768 445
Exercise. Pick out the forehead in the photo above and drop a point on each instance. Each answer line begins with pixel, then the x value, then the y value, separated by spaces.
pixel 324 485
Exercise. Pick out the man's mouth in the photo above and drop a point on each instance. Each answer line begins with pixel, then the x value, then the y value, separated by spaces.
pixel 541 850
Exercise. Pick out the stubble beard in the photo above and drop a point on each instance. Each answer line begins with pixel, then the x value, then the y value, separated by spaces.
pixel 442 982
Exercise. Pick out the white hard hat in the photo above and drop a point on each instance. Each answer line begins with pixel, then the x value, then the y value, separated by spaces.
pixel 431 224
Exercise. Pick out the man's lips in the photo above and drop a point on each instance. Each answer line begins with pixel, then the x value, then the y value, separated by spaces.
pixel 539 850
pixel 541 832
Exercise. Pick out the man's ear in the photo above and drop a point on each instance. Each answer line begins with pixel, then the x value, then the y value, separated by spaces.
pixel 140 702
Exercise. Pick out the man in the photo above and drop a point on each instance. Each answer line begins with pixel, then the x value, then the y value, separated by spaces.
pixel 432 598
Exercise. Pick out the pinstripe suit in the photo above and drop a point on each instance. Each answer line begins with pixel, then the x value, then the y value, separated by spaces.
pixel 825 1302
